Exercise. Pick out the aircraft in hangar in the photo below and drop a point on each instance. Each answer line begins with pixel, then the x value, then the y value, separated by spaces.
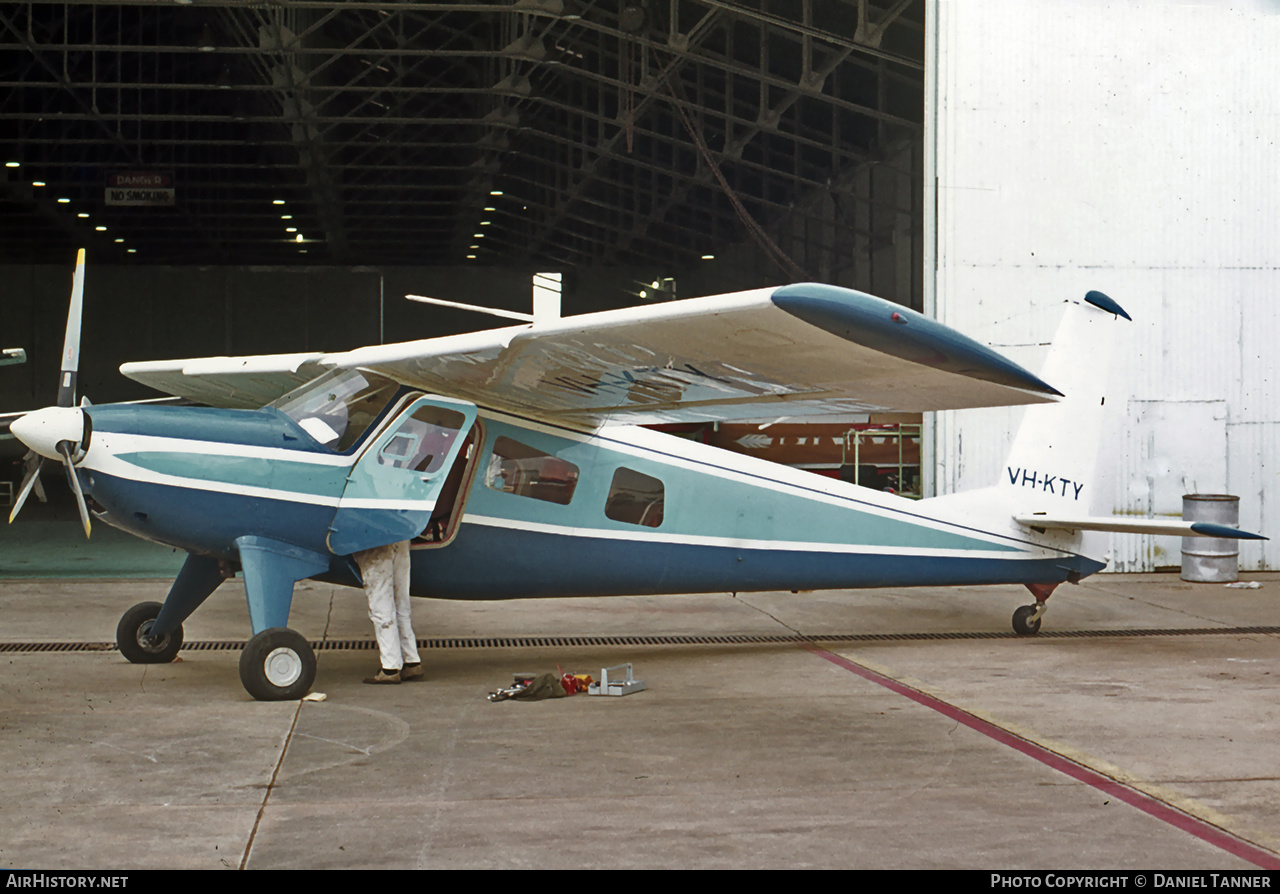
pixel 516 462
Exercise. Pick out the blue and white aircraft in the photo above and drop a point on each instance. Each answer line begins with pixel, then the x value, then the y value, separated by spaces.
pixel 515 461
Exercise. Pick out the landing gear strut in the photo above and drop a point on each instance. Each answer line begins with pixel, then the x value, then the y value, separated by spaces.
pixel 1026 618
pixel 133 636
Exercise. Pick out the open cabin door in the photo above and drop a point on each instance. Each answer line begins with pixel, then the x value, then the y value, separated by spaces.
pixel 397 478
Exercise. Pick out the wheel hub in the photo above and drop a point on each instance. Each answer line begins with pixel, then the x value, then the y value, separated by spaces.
pixel 282 667
pixel 149 642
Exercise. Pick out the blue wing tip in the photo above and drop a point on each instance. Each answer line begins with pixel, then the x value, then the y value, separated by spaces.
pixel 902 332
pixel 1208 529
pixel 1097 299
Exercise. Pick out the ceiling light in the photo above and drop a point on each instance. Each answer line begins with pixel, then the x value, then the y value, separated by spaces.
pixel 277 201
pixel 478 236
pixel 291 229
pixel 484 223
pixel 132 251
pixel 83 214
pixel 13 164
pixel 37 183
pixel 286 217
pixel 471 257
pixel 63 201
pixel 101 229
pixel 491 208
pixel 495 192
pixel 297 238
pixel 708 257
pixel 120 240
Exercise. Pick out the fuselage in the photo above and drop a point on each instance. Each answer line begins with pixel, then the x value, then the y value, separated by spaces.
pixel 542 510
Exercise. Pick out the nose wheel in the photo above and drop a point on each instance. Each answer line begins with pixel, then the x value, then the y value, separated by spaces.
pixel 277 665
pixel 136 642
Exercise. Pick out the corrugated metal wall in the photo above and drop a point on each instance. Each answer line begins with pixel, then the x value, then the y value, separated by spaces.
pixel 1130 147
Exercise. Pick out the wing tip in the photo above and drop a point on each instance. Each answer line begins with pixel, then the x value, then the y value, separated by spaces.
pixel 1105 302
pixel 899 331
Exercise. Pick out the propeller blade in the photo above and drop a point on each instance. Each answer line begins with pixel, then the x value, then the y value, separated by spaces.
pixel 31 464
pixel 64 447
pixel 71 344
pixel 29 481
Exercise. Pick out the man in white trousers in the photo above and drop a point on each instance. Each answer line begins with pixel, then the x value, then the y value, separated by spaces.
pixel 385 570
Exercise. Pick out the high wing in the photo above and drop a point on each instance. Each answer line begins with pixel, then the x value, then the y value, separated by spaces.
pixel 244 383
pixel 799 350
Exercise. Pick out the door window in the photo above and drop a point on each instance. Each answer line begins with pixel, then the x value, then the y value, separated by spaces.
pixel 422 441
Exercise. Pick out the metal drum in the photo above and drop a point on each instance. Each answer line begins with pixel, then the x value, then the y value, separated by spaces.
pixel 1211 559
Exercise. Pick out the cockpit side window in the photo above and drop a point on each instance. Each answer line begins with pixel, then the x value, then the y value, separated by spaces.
pixel 338 408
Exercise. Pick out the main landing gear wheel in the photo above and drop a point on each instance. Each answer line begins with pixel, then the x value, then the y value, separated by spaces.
pixel 1023 625
pixel 133 636
pixel 277 665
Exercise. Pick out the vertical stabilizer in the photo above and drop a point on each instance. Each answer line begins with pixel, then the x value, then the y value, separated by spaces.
pixel 1052 466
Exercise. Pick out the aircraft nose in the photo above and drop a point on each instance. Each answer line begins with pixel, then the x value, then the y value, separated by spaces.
pixel 43 430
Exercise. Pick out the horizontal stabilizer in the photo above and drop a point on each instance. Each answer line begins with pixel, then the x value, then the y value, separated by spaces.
pixel 1170 527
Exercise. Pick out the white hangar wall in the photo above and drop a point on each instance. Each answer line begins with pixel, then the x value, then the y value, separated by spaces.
pixel 1130 147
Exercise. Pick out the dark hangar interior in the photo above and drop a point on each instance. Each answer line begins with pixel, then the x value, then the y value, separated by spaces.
pixel 261 177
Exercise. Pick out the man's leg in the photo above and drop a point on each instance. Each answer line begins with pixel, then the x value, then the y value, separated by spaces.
pixel 377 569
pixel 408 641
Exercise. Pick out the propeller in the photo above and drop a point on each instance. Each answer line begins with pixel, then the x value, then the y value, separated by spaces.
pixel 31 464
pixel 60 432
pixel 64 447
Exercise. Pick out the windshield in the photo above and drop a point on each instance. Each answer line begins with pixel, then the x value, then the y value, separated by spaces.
pixel 338 407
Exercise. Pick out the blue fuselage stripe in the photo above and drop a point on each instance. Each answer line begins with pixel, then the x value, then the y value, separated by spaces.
pixel 503 563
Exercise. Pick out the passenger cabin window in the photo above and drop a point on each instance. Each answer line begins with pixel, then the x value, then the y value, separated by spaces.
pixel 422 441
pixel 516 468
pixel 635 499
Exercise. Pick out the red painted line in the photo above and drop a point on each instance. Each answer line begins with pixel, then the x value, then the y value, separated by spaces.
pixel 1201 829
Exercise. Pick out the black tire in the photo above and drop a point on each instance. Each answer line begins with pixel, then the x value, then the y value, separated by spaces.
pixel 277 665
pixel 1022 623
pixel 134 639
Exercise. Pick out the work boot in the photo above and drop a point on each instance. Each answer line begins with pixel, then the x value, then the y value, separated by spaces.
pixel 412 672
pixel 384 676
